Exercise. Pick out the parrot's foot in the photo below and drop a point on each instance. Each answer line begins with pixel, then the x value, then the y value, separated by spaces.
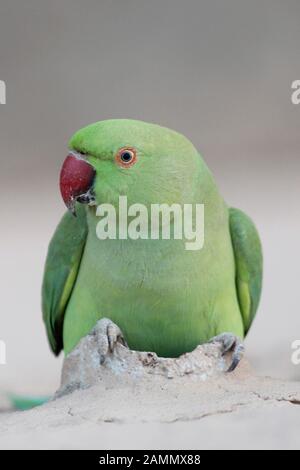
pixel 230 342
pixel 108 334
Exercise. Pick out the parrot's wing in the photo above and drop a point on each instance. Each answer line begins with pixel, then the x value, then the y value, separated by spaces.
pixel 61 269
pixel 248 262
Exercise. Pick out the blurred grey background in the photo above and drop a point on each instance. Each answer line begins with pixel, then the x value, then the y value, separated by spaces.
pixel 220 72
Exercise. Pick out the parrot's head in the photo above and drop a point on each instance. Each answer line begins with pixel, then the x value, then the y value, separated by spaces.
pixel 145 162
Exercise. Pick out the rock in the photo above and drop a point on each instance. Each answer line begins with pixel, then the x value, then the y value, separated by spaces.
pixel 91 363
pixel 228 411
pixel 136 400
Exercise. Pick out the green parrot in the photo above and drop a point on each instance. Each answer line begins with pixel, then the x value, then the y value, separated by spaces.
pixel 164 298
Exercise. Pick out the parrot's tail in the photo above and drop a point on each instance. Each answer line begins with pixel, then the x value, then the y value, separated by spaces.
pixel 22 403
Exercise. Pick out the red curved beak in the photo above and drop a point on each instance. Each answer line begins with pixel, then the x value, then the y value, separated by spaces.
pixel 76 181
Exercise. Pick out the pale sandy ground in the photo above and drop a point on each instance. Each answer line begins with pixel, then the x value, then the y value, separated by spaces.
pixel 134 402
pixel 239 411
pixel 266 427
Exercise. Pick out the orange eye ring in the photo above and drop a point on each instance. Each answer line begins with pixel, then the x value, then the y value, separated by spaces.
pixel 126 157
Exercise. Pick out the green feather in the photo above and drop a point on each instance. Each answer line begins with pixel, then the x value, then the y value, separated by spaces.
pixel 23 403
pixel 248 262
pixel 62 264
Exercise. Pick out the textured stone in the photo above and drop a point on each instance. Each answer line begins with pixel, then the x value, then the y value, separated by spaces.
pixel 135 400
pixel 91 363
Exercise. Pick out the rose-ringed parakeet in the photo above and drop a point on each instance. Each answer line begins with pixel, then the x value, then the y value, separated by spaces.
pixel 164 298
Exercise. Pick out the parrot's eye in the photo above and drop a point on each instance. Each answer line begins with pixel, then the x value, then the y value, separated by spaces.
pixel 126 157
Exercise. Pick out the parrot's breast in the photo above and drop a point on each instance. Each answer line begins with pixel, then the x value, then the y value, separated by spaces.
pixel 164 298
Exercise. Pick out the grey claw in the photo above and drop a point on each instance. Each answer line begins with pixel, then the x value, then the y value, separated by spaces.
pixel 230 342
pixel 237 355
pixel 114 335
pixel 108 335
